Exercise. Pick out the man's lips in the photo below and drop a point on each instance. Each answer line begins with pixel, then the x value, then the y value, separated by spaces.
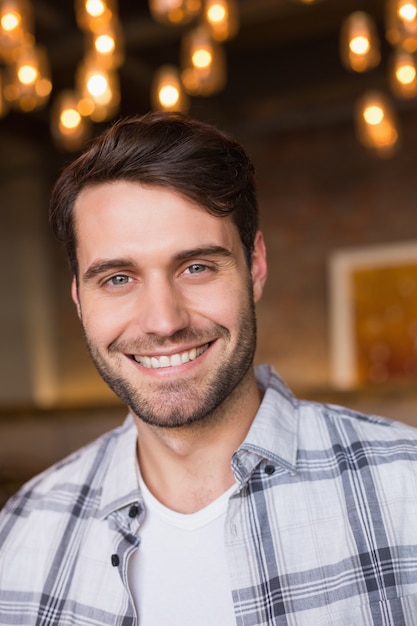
pixel 164 360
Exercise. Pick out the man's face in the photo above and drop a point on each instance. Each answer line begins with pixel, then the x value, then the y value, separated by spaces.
pixel 166 300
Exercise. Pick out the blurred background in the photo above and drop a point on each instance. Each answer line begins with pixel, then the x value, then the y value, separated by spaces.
pixel 323 94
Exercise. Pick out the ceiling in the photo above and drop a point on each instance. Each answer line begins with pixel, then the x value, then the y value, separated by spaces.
pixel 283 66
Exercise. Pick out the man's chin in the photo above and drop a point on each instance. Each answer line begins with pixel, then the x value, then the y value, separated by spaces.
pixel 168 420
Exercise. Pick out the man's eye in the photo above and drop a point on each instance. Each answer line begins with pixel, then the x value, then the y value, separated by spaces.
pixel 118 280
pixel 196 268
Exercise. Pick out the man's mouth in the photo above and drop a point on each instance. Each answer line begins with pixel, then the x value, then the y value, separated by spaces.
pixel 155 362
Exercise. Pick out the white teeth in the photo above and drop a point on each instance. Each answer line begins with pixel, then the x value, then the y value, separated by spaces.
pixel 176 359
pixel 154 362
pixel 147 361
pixel 170 361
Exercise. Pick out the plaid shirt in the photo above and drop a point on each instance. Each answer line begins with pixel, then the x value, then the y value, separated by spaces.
pixel 322 530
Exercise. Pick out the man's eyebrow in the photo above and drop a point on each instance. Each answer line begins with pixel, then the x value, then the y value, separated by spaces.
pixel 106 265
pixel 204 251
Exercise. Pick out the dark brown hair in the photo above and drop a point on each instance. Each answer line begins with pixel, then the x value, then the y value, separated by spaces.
pixel 166 150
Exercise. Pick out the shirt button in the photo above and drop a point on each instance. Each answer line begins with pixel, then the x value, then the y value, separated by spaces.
pixel 269 469
pixel 115 560
pixel 134 510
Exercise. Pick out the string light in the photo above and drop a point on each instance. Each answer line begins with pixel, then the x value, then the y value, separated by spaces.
pixel 99 90
pixel 94 15
pixel 68 127
pixel 167 92
pixel 401 23
pixel 376 123
pixel 222 18
pixel 203 63
pixel 96 95
pixel 359 43
pixel 375 120
pixel 107 44
pixel 28 84
pixel 403 74
pixel 16 28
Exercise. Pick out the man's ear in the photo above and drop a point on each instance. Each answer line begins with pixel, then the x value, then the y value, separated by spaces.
pixel 74 294
pixel 259 266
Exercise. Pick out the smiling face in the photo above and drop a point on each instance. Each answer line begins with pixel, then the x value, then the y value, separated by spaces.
pixel 166 301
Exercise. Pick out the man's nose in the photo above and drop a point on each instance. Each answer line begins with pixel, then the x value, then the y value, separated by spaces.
pixel 162 308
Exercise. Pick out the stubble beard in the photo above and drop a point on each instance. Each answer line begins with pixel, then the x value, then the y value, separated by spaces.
pixel 176 404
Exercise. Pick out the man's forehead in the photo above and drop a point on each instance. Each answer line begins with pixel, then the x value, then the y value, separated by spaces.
pixel 112 220
pixel 154 203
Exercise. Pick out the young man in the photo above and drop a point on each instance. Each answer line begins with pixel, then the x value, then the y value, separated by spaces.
pixel 222 500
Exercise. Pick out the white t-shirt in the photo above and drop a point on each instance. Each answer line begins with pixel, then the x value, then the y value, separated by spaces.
pixel 178 576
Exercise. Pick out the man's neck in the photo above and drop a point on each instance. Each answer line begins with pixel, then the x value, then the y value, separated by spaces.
pixel 189 467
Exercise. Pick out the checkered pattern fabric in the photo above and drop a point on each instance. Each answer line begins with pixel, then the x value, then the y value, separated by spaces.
pixel 322 530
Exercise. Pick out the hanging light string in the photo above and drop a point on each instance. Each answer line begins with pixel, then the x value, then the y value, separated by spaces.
pixel 202 67
pixel 25 84
pixel 96 96
pixel 26 81
pixel 377 126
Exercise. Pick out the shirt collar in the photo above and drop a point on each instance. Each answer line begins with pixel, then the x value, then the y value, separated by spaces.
pixel 273 434
pixel 121 485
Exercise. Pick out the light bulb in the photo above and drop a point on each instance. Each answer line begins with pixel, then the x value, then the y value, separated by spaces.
pixel 359 44
pixel 104 44
pixel 70 118
pixel 376 123
pixel 168 96
pixel 167 92
pixel 401 23
pixel 27 74
pixel 95 8
pixel 373 114
pixel 407 11
pixel 97 85
pixel 10 21
pixel 403 73
pixel 68 127
pixel 406 74
pixel 216 13
pixel 201 58
pixel 222 18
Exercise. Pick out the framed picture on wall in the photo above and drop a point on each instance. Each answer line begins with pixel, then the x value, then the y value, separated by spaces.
pixel 373 315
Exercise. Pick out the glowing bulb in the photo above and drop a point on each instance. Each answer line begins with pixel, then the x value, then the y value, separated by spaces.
pixel 10 21
pixel 97 85
pixel 167 91
pixel 70 119
pixel 104 44
pixel 216 13
pixel 376 123
pixel 359 44
pixel 27 74
pixel 373 114
pixel 406 74
pixel 407 12
pixel 95 8
pixel 168 96
pixel 201 58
